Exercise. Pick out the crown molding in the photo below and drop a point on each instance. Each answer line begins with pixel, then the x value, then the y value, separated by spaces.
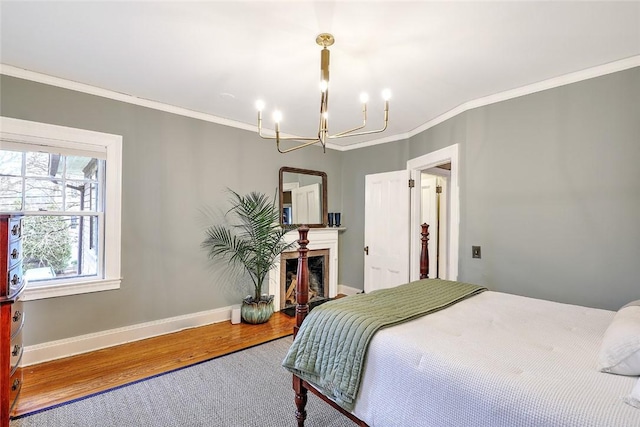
pixel 21 73
pixel 566 79
pixel 390 138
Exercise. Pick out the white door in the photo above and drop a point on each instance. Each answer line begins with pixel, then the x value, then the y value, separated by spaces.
pixel 386 230
pixel 305 204
pixel 430 216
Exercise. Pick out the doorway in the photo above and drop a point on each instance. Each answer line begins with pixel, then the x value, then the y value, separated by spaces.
pixel 434 164
pixel 434 191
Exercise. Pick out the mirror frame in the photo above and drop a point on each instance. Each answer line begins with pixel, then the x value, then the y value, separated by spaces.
pixel 323 175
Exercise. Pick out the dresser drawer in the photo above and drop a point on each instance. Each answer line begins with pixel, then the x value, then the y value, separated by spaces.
pixel 15 229
pixel 14 279
pixel 15 384
pixel 17 317
pixel 15 253
pixel 15 350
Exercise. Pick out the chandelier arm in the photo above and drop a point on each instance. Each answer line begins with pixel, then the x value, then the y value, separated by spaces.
pixel 364 123
pixel 351 132
pixel 347 132
pixel 369 132
pixel 342 134
pixel 297 147
pixel 287 138
pixel 278 137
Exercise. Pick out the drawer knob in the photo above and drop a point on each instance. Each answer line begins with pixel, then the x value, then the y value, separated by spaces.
pixel 14 254
pixel 16 350
pixel 17 315
pixel 15 280
pixel 15 385
pixel 15 231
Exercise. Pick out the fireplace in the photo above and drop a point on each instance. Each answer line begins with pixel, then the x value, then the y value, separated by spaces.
pixel 323 240
pixel 318 261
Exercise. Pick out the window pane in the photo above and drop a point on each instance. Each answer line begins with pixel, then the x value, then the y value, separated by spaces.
pixel 81 196
pixel 59 247
pixel 80 167
pixel 10 193
pixel 10 163
pixel 85 246
pixel 43 195
pixel 43 164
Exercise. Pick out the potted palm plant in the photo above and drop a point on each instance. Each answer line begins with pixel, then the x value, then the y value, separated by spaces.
pixel 252 240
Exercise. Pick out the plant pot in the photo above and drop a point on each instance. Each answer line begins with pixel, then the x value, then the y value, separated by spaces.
pixel 257 312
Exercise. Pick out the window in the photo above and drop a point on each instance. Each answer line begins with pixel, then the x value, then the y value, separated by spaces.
pixel 67 183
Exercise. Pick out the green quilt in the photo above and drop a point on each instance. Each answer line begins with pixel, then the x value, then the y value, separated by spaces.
pixel 331 345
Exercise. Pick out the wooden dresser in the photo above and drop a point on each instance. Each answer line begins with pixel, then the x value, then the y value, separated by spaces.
pixel 11 313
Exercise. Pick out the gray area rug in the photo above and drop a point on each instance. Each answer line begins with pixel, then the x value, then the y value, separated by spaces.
pixel 244 389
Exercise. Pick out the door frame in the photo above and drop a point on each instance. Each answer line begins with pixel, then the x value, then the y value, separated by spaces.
pixel 415 166
pixel 429 214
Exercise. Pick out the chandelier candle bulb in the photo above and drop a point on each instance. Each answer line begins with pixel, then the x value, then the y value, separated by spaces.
pixel 364 98
pixel 386 95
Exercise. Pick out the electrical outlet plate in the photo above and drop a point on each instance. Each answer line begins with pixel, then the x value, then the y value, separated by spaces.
pixel 475 252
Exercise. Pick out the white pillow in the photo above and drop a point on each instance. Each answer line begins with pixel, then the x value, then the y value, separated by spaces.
pixel 620 350
pixel 634 398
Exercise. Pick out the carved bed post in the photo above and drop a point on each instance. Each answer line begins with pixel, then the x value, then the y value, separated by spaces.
pixel 302 285
pixel 424 252
pixel 302 309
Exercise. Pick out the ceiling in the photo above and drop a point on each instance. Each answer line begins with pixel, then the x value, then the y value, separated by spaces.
pixel 219 57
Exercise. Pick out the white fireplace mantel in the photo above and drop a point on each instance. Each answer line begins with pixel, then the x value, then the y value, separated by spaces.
pixel 319 238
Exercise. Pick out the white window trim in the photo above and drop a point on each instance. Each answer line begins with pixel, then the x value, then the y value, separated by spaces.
pixel 27 132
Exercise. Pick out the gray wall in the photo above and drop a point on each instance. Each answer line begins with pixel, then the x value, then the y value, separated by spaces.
pixel 173 167
pixel 549 187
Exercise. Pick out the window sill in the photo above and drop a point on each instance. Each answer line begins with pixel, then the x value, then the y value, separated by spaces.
pixel 32 292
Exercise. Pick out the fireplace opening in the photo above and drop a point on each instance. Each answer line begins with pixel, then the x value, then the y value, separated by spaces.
pixel 318 261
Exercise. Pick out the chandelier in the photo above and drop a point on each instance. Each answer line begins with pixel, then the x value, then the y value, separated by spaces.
pixel 324 40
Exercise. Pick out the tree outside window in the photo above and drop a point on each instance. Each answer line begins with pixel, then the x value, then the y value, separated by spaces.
pixel 59 195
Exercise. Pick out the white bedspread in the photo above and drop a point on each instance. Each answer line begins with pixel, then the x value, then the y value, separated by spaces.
pixel 495 360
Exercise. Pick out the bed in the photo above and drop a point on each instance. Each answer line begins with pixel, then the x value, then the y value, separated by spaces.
pixel 489 359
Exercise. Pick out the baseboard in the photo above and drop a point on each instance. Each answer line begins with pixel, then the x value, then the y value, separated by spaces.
pixel 348 290
pixel 85 343
pixel 52 350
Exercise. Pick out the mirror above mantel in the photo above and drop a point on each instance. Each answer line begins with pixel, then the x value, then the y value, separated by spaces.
pixel 303 197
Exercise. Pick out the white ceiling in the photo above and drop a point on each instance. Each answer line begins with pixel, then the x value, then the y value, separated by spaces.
pixel 219 57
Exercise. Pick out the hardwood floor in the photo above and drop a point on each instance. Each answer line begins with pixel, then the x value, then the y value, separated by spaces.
pixel 59 381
